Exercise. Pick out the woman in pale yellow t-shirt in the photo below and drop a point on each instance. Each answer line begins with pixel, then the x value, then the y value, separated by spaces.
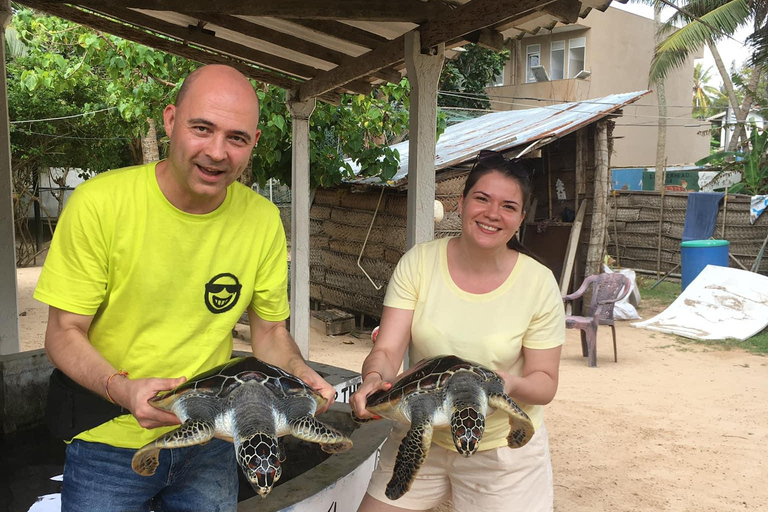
pixel 481 296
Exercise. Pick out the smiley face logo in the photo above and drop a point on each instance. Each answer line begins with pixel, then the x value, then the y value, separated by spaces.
pixel 222 293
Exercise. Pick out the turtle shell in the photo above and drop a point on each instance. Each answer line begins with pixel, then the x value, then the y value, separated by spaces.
pixel 220 381
pixel 427 376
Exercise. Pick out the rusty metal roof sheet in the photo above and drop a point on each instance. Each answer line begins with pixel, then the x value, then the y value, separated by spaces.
pixel 503 131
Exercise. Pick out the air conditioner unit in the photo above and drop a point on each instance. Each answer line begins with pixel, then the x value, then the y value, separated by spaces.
pixel 539 73
pixel 583 74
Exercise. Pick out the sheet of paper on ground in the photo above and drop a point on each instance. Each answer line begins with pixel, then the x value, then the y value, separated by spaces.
pixel 720 303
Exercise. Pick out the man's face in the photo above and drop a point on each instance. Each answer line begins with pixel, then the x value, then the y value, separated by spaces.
pixel 213 132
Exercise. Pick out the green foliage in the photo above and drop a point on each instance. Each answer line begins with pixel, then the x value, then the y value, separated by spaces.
pixel 753 165
pixel 471 72
pixel 703 93
pixel 685 35
pixel 361 129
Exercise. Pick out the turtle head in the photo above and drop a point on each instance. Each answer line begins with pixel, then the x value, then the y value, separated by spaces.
pixel 259 457
pixel 467 426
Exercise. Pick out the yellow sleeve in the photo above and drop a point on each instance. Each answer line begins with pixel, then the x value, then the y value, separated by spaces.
pixel 547 328
pixel 270 293
pixel 403 288
pixel 74 276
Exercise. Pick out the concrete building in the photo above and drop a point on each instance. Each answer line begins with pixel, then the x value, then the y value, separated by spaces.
pixel 601 55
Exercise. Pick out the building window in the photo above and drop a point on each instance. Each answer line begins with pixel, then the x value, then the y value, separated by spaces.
pixel 557 60
pixel 533 58
pixel 577 49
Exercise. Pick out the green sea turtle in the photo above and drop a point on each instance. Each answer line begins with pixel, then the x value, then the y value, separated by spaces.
pixel 251 404
pixel 444 392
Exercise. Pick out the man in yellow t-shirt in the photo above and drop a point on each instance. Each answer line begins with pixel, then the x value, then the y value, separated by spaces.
pixel 148 272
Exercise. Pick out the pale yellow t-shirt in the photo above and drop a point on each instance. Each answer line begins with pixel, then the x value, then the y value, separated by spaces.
pixel 488 328
pixel 165 287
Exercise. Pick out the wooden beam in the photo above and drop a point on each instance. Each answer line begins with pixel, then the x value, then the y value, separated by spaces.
pixel 473 16
pixel 167 45
pixel 470 17
pixel 487 38
pixel 565 11
pixel 344 32
pixel 206 38
pixel 380 58
pixel 288 41
pixel 391 10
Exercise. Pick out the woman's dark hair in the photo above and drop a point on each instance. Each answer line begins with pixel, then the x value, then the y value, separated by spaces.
pixel 518 169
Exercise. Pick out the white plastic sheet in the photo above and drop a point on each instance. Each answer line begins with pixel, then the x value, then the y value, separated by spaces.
pixel 720 303
pixel 624 308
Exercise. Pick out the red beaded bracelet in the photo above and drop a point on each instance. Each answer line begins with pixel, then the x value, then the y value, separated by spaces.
pixel 121 373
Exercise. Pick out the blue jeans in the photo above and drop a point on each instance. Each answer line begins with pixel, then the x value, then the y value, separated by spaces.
pixel 99 477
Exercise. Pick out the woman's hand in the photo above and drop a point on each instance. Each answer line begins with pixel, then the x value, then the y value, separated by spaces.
pixel 510 382
pixel 372 383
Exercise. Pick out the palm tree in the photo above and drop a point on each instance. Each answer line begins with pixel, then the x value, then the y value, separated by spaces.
pixel 705 22
pixel 703 94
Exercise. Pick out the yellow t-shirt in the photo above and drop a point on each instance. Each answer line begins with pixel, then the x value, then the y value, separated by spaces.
pixel 165 287
pixel 489 328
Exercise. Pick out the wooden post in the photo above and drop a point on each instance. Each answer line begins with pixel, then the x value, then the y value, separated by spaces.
pixel 661 218
pixel 581 166
pixel 599 201
pixel 549 181
pixel 300 197
pixel 9 305
pixel 423 73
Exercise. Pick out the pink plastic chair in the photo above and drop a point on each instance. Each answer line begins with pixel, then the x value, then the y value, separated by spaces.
pixel 607 289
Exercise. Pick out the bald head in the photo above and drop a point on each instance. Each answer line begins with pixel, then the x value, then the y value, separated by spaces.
pixel 220 78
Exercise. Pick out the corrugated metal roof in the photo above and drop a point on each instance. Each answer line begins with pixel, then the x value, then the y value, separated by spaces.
pixel 502 131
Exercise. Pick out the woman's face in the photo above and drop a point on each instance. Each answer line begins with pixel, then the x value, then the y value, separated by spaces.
pixel 492 211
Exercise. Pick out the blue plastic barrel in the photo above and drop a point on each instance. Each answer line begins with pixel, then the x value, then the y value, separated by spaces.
pixel 697 254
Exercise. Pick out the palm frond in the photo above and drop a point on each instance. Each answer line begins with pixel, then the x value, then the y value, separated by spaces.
pixel 725 19
pixel 664 63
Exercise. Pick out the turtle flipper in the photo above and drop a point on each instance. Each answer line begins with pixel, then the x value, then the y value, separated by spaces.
pixel 259 457
pixel 467 427
pixel 520 425
pixel 308 428
pixel 191 432
pixel 413 450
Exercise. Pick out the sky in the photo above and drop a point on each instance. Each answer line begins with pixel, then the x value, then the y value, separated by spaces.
pixel 730 50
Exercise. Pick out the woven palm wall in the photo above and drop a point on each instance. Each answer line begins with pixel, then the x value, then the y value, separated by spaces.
pixel 636 223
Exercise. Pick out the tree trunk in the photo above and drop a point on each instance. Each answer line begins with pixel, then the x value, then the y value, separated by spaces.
pixel 661 95
pixel 746 106
pixel 149 150
pixel 728 85
pixel 246 178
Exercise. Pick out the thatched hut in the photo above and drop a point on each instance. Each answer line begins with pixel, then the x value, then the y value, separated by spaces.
pixel 358 229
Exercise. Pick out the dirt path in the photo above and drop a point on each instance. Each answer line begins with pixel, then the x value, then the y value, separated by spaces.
pixel 670 427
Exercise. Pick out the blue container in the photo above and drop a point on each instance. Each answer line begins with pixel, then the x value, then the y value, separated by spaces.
pixel 697 254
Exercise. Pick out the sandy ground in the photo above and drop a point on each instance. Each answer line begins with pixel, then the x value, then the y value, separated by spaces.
pixel 671 427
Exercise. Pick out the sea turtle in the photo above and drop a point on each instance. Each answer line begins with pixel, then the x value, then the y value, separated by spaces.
pixel 443 392
pixel 251 404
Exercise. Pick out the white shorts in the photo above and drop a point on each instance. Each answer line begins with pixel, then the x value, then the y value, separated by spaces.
pixel 495 480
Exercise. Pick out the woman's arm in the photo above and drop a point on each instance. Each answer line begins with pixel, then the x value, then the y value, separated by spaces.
pixel 384 361
pixel 538 383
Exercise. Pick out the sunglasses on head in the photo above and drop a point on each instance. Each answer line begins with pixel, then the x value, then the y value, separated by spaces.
pixel 489 159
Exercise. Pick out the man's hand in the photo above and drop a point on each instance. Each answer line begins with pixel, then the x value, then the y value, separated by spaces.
pixel 135 394
pixel 317 383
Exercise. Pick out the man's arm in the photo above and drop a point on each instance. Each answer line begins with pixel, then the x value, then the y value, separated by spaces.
pixel 69 349
pixel 271 342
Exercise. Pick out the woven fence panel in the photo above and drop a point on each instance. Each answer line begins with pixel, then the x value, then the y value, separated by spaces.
pixel 316 274
pixel 364 218
pixel 348 301
pixel 450 203
pixel 451 187
pixel 320 212
pixel 355 283
pixel 638 240
pixel 396 204
pixel 377 269
pixel 327 196
pixel 451 222
pixel 391 237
